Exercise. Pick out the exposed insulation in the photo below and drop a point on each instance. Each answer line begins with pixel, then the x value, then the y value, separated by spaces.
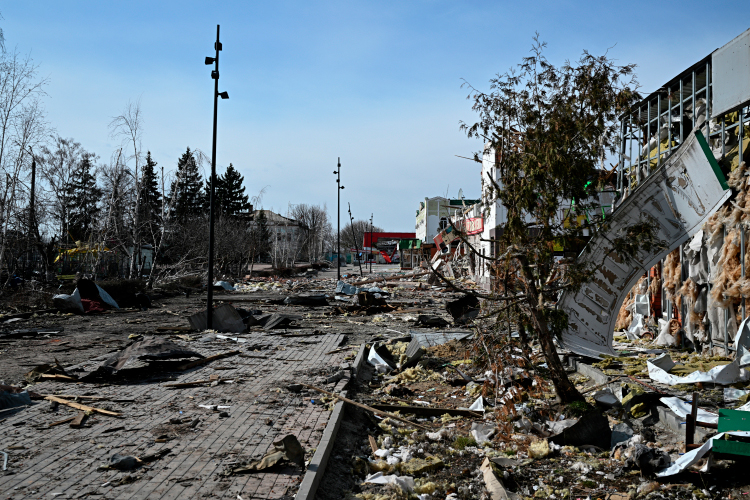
pixel 625 316
pixel 672 274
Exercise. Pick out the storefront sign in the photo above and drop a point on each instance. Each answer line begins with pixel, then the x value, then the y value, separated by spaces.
pixel 473 225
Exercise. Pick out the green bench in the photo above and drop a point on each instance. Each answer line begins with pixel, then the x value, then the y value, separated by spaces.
pixel 732 447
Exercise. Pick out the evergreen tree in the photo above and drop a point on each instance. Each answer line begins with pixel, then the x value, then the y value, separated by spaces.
pixel 186 193
pixel 233 197
pixel 230 193
pixel 218 194
pixel 82 195
pixel 150 199
pixel 261 235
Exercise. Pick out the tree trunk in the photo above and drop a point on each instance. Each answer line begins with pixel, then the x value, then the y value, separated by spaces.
pixel 566 391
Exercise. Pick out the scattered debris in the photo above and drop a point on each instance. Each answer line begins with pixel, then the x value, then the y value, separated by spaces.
pixel 148 349
pixel 225 319
pixel 288 448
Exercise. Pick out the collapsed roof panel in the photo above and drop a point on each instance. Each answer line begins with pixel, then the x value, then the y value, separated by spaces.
pixel 680 196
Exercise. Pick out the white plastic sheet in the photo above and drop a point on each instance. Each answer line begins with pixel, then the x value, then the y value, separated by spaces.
pixel 692 457
pixel 107 298
pixel 478 405
pixel 225 285
pixel 69 303
pixel 482 432
pixel 731 394
pixel 406 483
pixel 683 408
pixel 379 363
pixel 658 370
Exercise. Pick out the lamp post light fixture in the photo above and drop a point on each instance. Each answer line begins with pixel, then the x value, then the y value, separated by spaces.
pixel 223 95
pixel 338 218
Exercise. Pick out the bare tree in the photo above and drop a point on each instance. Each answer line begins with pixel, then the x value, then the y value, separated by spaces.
pixel 352 233
pixel 20 121
pixel 129 127
pixel 314 225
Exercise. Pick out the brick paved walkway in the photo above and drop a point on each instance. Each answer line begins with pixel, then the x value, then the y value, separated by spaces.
pixel 62 462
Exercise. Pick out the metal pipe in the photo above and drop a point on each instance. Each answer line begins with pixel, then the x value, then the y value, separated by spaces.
pixel 682 112
pixel 658 131
pixel 708 96
pixel 648 144
pixel 693 92
pixel 630 131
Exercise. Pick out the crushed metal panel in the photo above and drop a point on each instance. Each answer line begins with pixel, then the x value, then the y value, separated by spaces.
pixel 433 339
pixel 680 196
pixel 730 75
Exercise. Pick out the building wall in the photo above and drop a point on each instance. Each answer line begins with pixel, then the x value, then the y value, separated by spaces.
pixel 432 217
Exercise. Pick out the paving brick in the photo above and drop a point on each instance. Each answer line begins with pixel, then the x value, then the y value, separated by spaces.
pixel 65 460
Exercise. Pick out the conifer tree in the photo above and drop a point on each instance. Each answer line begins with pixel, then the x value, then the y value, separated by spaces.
pixel 261 235
pixel 233 197
pixel 150 198
pixel 82 195
pixel 185 192
pixel 230 193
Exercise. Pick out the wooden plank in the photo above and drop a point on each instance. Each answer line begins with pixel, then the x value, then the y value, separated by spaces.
pixel 369 408
pixel 427 411
pixel 373 444
pixel 78 420
pixel 63 421
pixel 54 376
pixel 79 406
pixel 203 361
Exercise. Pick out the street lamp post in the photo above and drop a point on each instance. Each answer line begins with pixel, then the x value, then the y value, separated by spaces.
pixel 338 218
pixel 223 95
pixel 32 195
pixel 372 251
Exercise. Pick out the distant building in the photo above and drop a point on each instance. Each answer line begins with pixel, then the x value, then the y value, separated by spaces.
pixel 286 237
pixel 382 248
pixel 433 215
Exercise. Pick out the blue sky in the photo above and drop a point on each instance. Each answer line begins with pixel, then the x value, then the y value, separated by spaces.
pixel 376 83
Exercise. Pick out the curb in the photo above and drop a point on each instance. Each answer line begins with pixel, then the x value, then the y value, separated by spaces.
pixel 317 467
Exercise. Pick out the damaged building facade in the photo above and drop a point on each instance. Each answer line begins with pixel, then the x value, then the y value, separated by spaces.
pixel 682 162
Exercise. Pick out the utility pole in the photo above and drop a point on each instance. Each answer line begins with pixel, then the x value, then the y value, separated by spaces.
pixel 339 187
pixel 223 95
